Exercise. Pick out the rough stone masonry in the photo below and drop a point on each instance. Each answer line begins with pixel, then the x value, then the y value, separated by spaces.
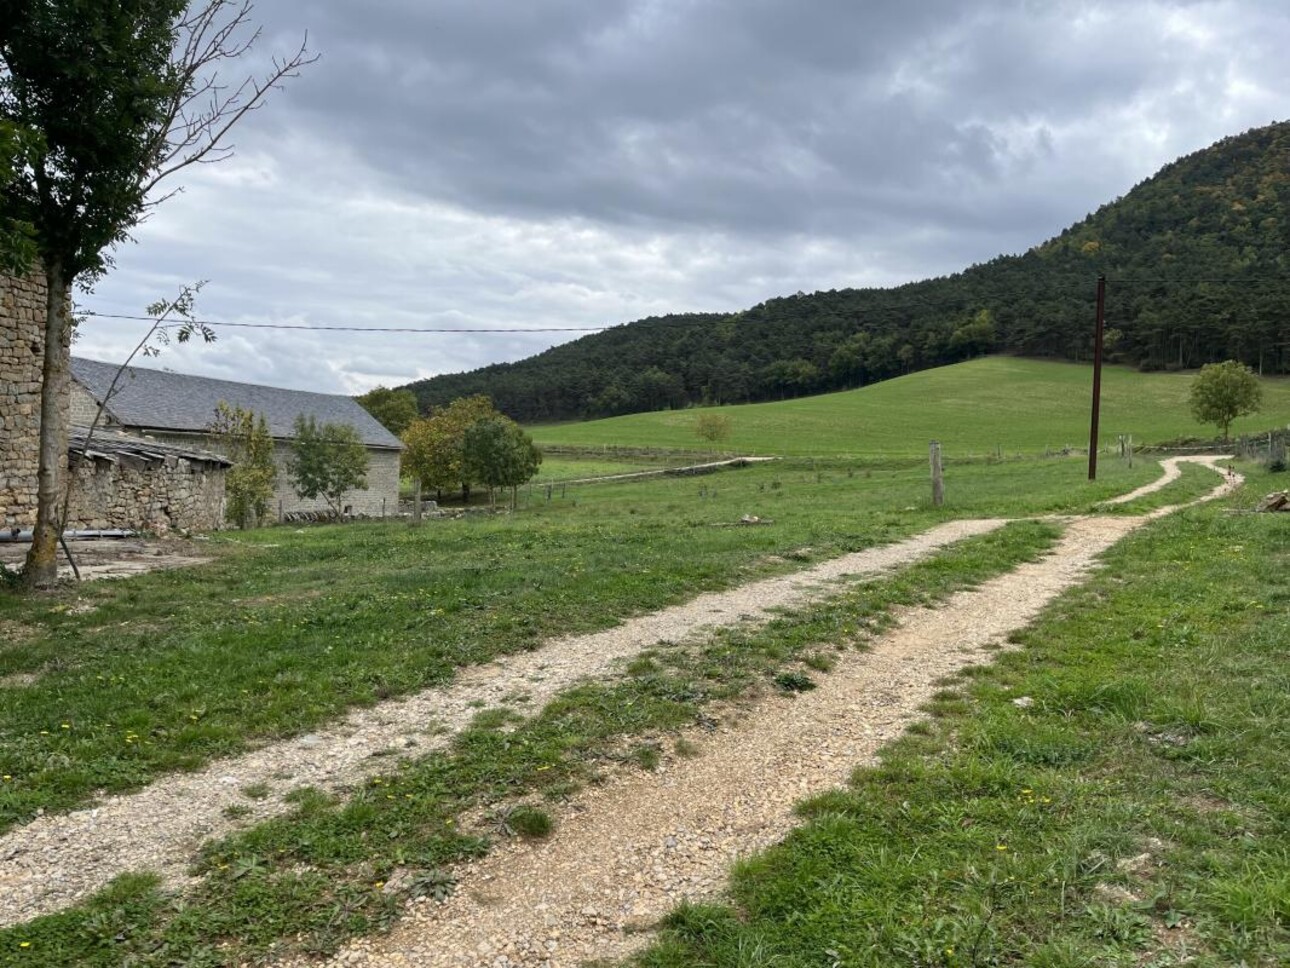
pixel 112 490
pixel 22 344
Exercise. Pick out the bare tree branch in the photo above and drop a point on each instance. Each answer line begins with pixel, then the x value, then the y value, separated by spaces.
pixel 203 109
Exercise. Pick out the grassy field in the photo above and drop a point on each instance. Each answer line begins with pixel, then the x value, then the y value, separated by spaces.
pixel 108 686
pixel 289 627
pixel 1133 813
pixel 972 408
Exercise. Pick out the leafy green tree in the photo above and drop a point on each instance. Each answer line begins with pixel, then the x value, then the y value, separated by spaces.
pixel 974 337
pixel 1221 392
pixel 243 437
pixel 435 451
pixel 499 454
pixel 112 99
pixel 395 409
pixel 327 460
pixel 17 247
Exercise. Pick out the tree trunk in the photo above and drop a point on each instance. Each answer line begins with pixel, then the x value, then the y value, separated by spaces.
pixel 416 504
pixel 41 568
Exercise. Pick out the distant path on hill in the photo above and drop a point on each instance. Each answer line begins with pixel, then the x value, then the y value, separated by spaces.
pixel 690 470
pixel 627 852
pixel 1172 471
pixel 57 860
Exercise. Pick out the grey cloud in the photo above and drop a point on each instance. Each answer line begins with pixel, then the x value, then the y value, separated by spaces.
pixel 586 162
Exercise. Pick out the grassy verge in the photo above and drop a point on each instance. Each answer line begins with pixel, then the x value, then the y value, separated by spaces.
pixel 307 881
pixel 109 685
pixel 1114 794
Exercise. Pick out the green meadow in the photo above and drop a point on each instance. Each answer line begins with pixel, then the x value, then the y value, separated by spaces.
pixel 1017 819
pixel 1021 406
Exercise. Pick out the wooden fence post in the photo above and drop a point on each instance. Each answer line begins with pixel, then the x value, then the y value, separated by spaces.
pixel 938 481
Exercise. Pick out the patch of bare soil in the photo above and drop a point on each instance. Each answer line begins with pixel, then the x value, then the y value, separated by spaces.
pixel 16 633
pixel 115 557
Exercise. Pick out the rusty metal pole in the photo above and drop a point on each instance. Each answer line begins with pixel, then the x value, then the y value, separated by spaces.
pixel 1097 377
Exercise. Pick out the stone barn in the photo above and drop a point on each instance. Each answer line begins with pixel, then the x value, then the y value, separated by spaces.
pixel 176 409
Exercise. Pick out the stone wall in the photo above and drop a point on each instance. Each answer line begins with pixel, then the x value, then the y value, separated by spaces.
pixel 22 341
pixel 158 495
pixel 380 497
pixel 85 408
pixel 382 484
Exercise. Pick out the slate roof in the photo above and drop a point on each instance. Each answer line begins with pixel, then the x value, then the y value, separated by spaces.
pixel 157 400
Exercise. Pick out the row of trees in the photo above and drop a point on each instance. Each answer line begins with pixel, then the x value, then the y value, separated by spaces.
pixel 465 443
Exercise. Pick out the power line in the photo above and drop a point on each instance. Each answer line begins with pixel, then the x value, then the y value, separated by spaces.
pixel 351 329
pixel 1119 286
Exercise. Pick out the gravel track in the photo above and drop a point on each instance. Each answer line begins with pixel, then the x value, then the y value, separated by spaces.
pixel 625 854
pixel 57 860
pixel 1172 471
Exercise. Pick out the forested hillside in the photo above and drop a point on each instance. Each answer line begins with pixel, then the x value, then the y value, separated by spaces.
pixel 1198 266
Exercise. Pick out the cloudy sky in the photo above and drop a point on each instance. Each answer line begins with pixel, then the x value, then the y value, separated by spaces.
pixel 508 165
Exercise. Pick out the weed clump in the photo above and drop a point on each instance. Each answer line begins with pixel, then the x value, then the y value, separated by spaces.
pixel 794 682
pixel 646 756
pixel 523 820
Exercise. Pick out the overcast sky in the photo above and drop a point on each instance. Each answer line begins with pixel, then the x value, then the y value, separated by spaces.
pixel 576 163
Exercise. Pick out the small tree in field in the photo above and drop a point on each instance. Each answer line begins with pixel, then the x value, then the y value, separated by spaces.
pixel 244 439
pixel 435 453
pixel 499 454
pixel 326 461
pixel 1224 391
pixel 713 427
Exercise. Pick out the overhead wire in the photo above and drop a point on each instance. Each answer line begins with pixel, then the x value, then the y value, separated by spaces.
pixel 883 306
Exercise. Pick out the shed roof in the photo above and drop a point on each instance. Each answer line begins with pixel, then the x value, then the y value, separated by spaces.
pixel 158 400
pixel 109 445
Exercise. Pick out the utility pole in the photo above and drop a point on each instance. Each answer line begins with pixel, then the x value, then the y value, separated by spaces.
pixel 1097 377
